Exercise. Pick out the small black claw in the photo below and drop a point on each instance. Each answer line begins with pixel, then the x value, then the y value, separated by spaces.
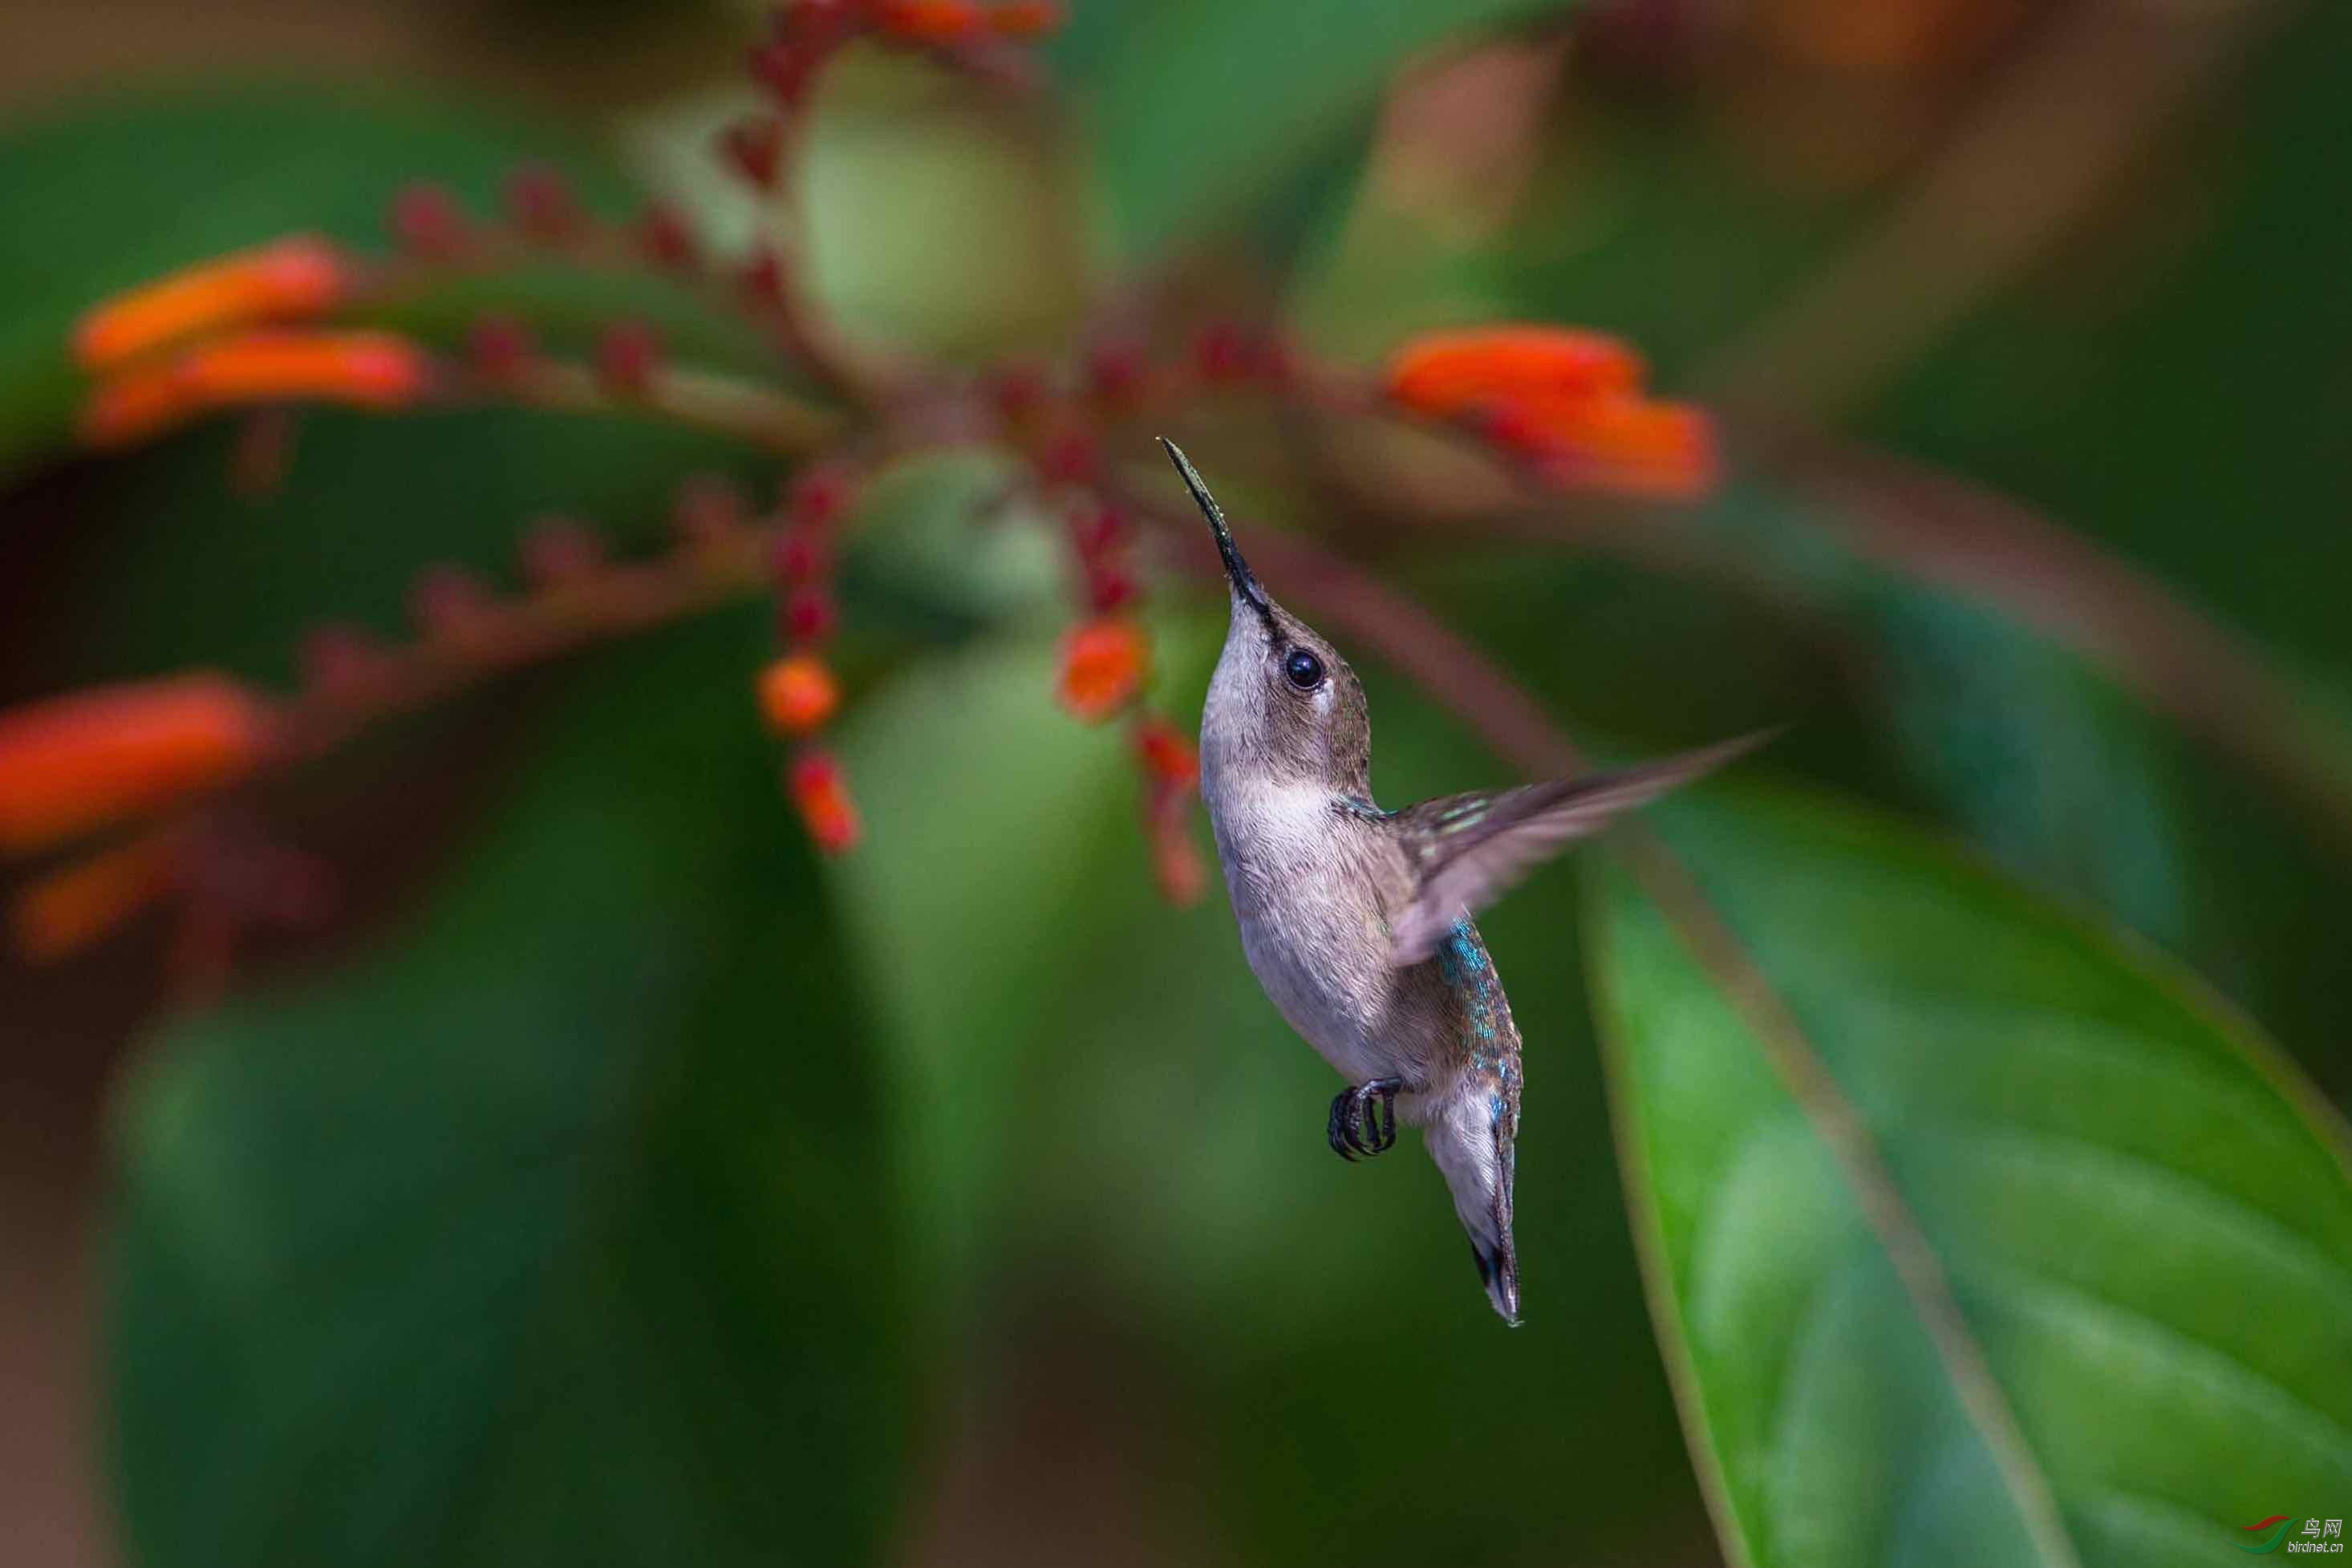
pixel 1363 1119
pixel 1341 1135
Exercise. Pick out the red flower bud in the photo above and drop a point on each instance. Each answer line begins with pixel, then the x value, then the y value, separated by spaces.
pixel 1168 755
pixel 628 355
pixel 798 556
pixel 666 239
pixel 822 795
pixel 1109 589
pixel 798 694
pixel 449 601
pixel 809 614
pixel 428 222
pixel 558 550
pixel 541 205
pixel 1103 664
pixel 762 278
pixel 498 348
pixel 821 493
pixel 755 148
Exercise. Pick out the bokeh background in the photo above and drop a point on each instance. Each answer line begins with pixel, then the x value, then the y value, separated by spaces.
pixel 2032 325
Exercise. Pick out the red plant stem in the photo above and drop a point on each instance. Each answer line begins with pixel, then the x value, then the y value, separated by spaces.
pixel 504 634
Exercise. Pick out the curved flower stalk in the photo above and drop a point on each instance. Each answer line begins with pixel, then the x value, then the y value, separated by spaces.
pixel 286 323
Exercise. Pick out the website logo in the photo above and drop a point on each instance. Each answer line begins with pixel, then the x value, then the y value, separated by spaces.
pixel 2306 1535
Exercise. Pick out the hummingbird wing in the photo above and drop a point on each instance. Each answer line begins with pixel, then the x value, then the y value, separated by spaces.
pixel 1468 850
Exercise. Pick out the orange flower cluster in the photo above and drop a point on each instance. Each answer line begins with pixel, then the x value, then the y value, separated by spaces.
pixel 216 335
pixel 1570 403
pixel 80 762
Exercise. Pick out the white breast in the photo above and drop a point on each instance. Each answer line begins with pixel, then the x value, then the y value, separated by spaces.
pixel 1316 946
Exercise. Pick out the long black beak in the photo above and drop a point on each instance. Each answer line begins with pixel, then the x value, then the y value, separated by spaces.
pixel 1244 583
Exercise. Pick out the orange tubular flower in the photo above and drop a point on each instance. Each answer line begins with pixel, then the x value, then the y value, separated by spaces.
pixel 822 796
pixel 68 910
pixel 798 694
pixel 78 762
pixel 1445 374
pixel 367 370
pixel 1632 445
pixel 1103 665
pixel 289 281
pixel 934 22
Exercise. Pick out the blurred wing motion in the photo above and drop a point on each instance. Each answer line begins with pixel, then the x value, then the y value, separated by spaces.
pixel 1468 849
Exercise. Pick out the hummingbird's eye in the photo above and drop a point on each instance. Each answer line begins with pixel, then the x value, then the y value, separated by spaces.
pixel 1303 669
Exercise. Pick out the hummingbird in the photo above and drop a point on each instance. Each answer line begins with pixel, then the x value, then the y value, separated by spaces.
pixel 1357 920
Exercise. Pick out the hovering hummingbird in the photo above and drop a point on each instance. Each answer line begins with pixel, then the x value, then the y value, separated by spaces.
pixel 1357 920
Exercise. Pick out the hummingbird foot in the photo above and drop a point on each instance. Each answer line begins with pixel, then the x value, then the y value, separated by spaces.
pixel 1363 1119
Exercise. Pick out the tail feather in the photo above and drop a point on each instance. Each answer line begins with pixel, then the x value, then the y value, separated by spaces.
pixel 1472 1140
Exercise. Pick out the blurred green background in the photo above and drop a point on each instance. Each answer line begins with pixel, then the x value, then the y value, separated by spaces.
pixel 498 1222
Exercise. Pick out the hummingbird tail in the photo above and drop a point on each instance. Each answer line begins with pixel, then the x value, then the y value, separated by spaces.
pixel 1471 1139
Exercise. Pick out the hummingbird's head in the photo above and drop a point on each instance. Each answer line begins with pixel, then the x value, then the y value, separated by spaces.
pixel 1284 707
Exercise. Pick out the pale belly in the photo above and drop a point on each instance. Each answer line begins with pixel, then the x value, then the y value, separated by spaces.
pixel 1311 927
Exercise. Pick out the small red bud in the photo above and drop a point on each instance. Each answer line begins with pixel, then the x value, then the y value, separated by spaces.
pixel 337 661
pixel 1114 372
pixel 428 222
pixel 762 278
pixel 822 795
pixel 755 148
pixel 1109 589
pixel 710 507
pixel 798 556
pixel 558 550
pixel 1094 530
pixel 809 615
pixel 1221 353
pixel 498 348
pixel 628 355
pixel 1168 755
pixel 785 70
pixel 1018 391
pixel 1069 458
pixel 798 694
pixel 540 203
pixel 665 238
pixel 449 601
pixel 820 495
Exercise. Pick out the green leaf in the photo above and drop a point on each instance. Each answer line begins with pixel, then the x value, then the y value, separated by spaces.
pixel 1201 109
pixel 559 1230
pixel 2047 1261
